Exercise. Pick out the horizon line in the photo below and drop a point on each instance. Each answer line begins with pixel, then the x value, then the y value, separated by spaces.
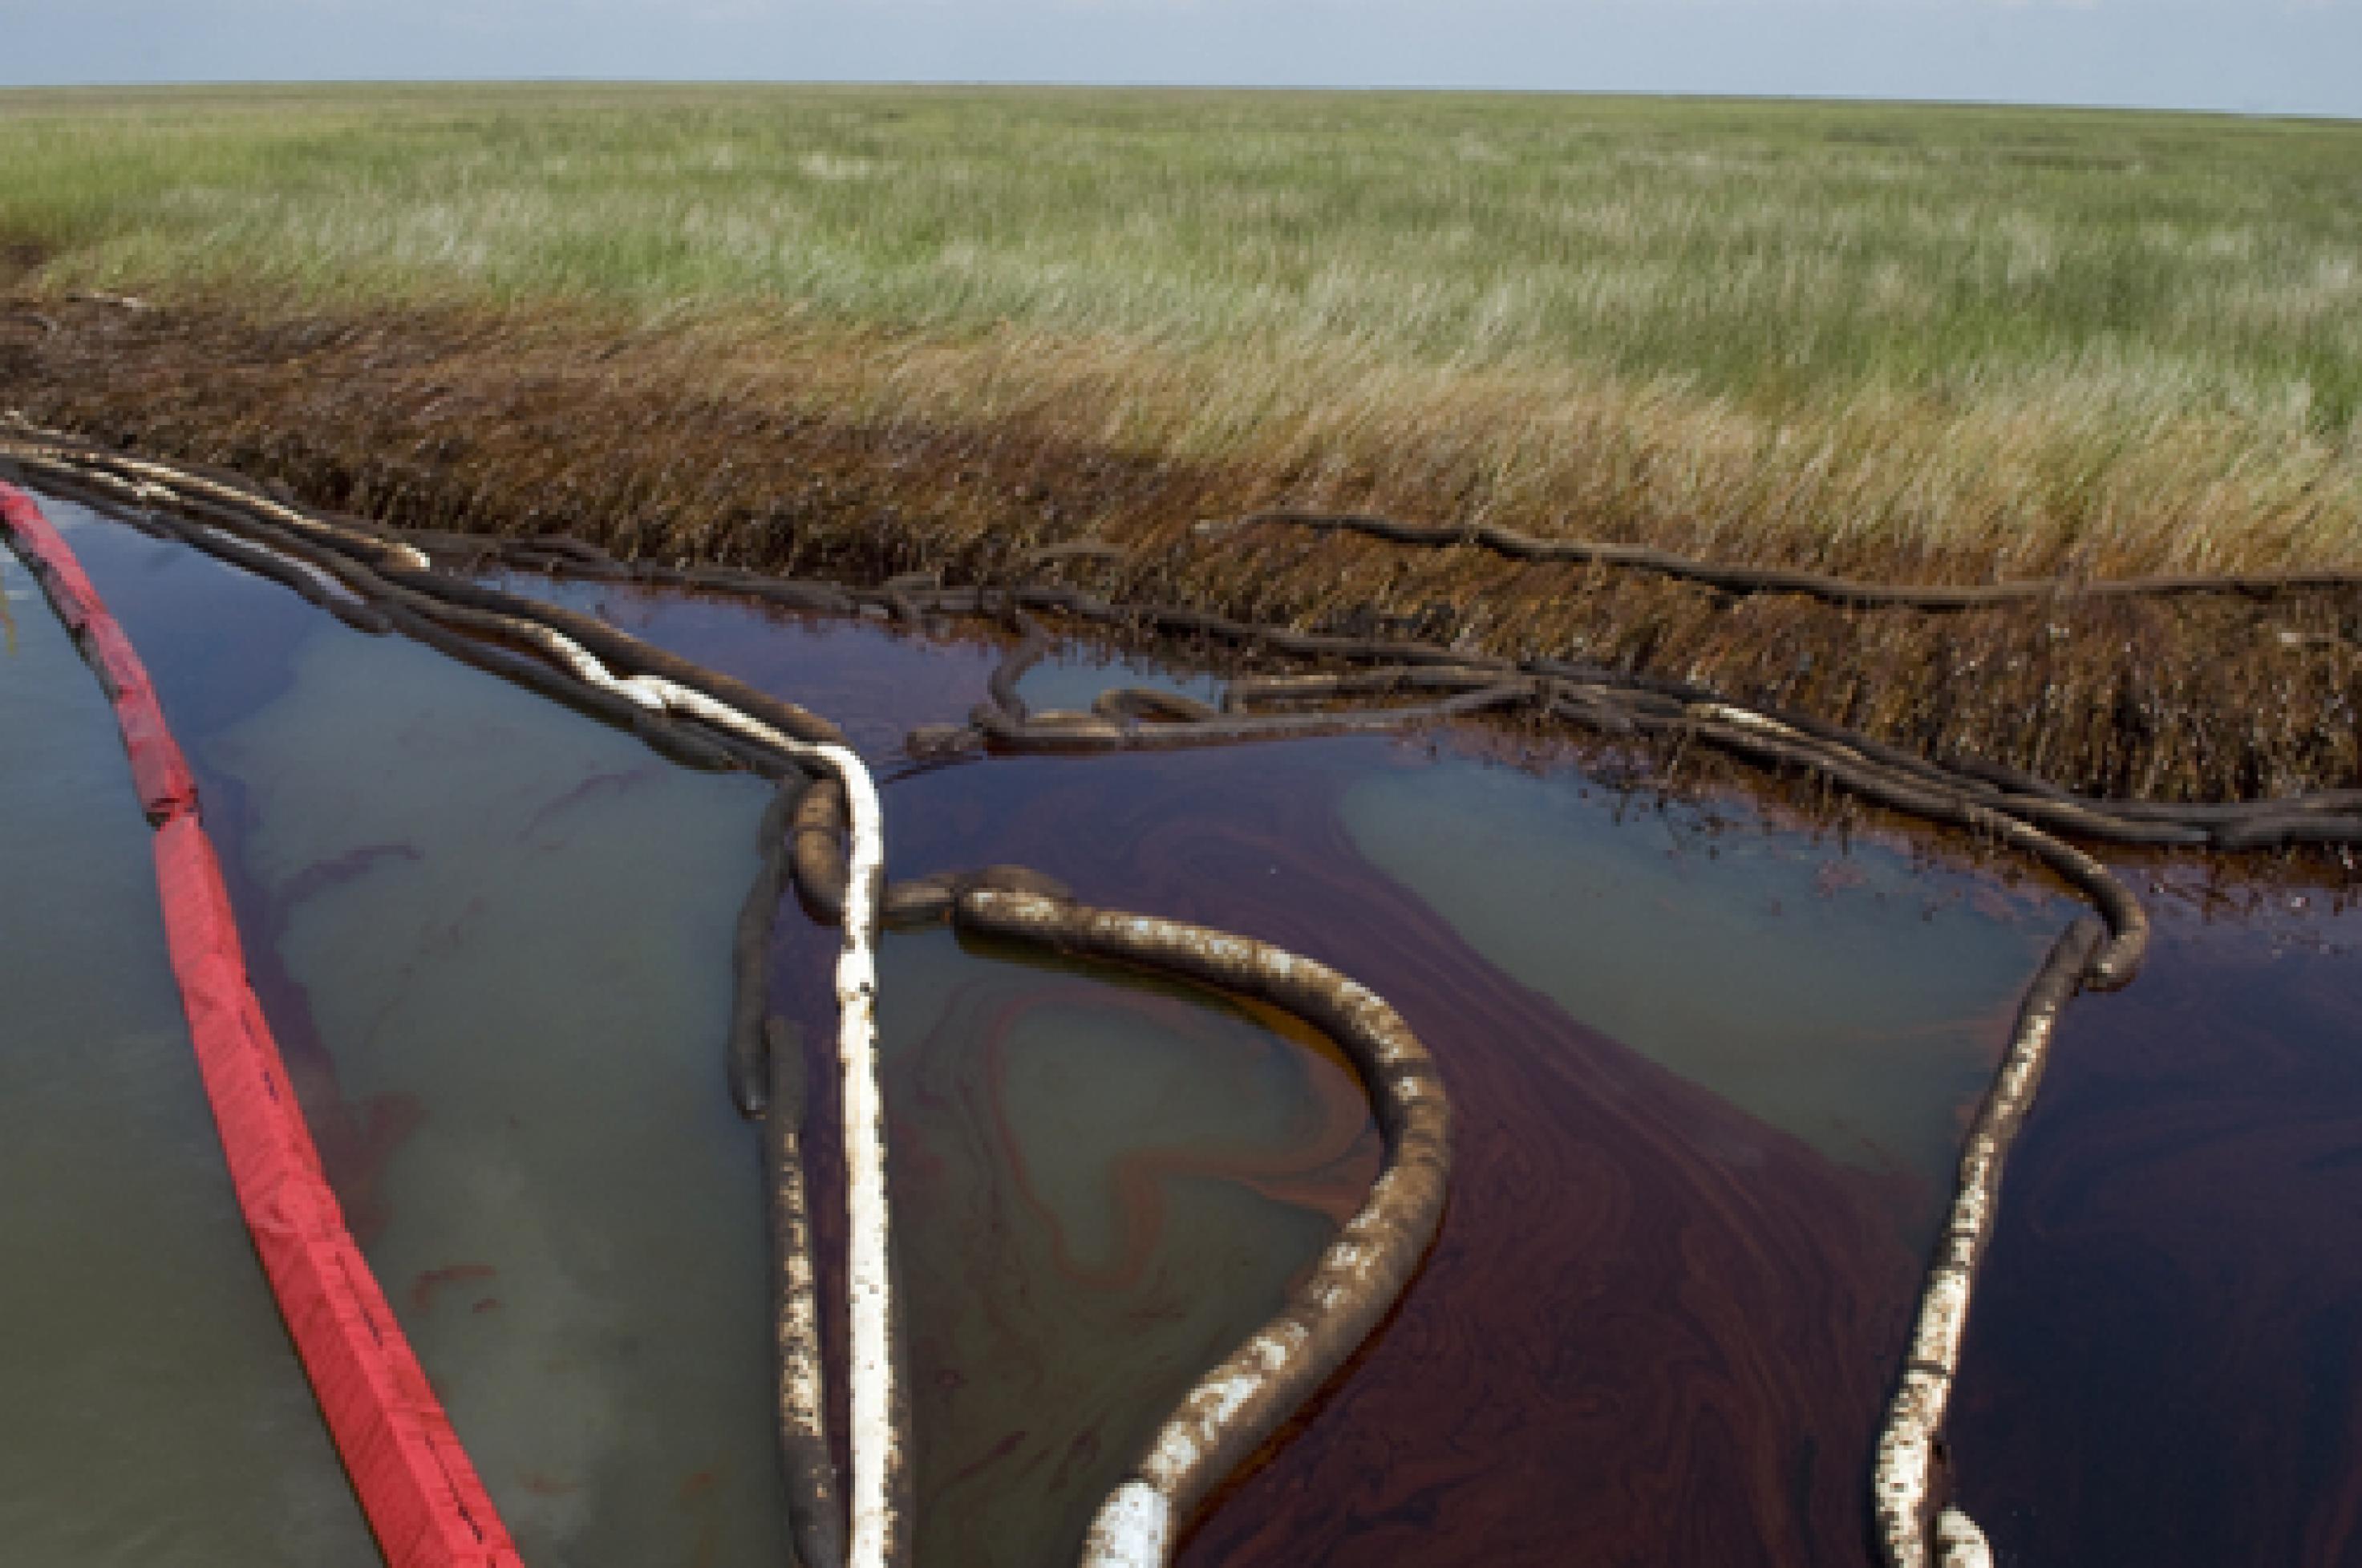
pixel 1866 100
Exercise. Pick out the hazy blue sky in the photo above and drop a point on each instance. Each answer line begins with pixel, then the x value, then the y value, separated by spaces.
pixel 2299 56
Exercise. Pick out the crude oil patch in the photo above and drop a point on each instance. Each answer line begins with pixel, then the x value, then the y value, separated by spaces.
pixel 2161 1367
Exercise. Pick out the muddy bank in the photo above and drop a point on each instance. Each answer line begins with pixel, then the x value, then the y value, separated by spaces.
pixel 549 425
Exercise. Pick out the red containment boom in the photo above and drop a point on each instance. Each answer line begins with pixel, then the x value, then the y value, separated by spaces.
pixel 423 1497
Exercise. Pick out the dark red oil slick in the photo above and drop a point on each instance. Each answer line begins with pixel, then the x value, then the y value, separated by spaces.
pixel 1619 1349
pixel 2163 1365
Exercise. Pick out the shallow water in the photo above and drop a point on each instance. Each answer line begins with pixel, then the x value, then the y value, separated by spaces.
pixel 1708 1074
pixel 1070 678
pixel 1104 1185
pixel 504 932
pixel 1658 1324
pixel 1854 1002
pixel 156 1410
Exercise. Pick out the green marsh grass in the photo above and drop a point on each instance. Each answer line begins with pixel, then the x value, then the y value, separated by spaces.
pixel 1920 340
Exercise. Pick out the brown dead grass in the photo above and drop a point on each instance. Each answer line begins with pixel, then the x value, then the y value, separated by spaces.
pixel 671 444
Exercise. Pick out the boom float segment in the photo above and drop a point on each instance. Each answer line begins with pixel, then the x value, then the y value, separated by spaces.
pixel 1911 1512
pixel 1739 580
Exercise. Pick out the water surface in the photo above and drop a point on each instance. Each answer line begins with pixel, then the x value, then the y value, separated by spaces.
pixel 500 934
pixel 1852 1000
pixel 1674 1280
pixel 1709 1072
pixel 156 1410
pixel 2162 1368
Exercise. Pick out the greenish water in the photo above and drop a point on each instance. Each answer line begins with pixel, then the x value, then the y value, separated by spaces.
pixel 1071 680
pixel 504 930
pixel 155 1410
pixel 524 931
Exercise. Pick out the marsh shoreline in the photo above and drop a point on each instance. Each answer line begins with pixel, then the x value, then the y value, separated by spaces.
pixel 551 422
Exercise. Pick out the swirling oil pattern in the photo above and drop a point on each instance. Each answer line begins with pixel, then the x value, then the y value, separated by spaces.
pixel 1103 1186
pixel 2163 1364
pixel 1714 952
pixel 211 678
pixel 154 1414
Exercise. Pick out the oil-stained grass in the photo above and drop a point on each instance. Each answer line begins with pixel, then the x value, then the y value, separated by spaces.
pixel 1907 340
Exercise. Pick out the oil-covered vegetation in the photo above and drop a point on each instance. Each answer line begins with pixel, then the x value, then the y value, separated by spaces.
pixel 867 331
pixel 1902 341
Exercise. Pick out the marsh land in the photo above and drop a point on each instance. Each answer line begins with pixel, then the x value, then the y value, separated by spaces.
pixel 923 328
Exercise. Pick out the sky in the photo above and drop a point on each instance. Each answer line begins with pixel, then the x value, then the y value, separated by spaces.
pixel 2252 56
